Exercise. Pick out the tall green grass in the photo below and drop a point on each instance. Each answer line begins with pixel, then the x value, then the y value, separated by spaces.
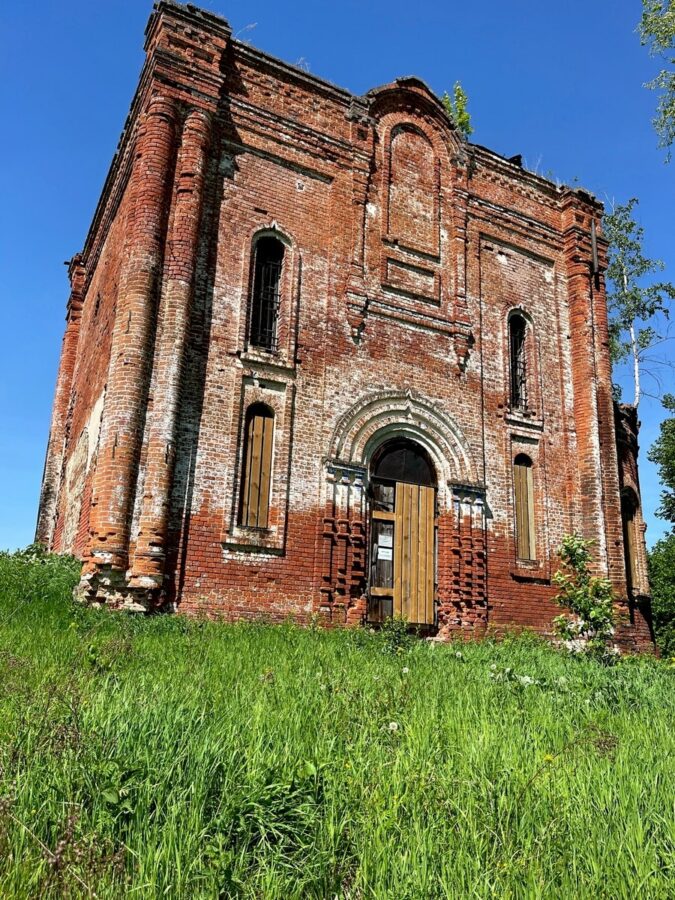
pixel 166 758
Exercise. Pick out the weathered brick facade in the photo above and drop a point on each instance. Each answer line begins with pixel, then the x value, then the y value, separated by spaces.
pixel 406 251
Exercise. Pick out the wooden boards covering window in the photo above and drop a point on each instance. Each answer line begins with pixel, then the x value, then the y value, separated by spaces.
pixel 628 507
pixel 255 495
pixel 524 500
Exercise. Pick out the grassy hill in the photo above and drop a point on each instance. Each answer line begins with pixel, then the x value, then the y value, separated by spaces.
pixel 161 757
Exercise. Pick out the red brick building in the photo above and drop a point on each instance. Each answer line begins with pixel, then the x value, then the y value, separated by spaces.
pixel 323 357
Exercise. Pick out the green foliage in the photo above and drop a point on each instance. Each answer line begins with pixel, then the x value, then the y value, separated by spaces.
pixel 662 582
pixel 588 598
pixel 159 757
pixel 657 31
pixel 662 452
pixel 395 635
pixel 632 304
pixel 662 556
pixel 457 108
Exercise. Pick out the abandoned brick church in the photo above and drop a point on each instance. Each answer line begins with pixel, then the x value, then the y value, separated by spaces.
pixel 325 358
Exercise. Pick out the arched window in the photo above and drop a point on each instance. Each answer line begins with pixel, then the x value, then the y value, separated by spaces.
pixel 403 460
pixel 257 468
pixel 524 499
pixel 629 504
pixel 264 314
pixel 518 361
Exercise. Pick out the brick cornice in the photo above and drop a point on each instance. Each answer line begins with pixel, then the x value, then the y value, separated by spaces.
pixel 188 14
pixel 255 57
pixel 190 71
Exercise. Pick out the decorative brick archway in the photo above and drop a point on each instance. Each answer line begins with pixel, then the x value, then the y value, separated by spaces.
pixel 370 422
pixel 377 417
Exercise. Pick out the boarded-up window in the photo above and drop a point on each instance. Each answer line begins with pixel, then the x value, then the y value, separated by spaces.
pixel 518 361
pixel 412 190
pixel 264 314
pixel 524 499
pixel 628 509
pixel 257 470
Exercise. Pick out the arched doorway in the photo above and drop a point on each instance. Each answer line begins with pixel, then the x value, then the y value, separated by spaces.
pixel 402 576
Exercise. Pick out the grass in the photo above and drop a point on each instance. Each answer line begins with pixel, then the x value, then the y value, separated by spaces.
pixel 166 758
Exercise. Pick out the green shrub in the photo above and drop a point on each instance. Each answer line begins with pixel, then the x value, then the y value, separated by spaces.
pixel 590 627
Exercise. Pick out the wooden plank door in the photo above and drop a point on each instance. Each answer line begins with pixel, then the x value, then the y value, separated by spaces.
pixel 414 557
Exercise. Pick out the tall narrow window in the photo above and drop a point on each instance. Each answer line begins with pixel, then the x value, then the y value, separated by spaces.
pixel 518 361
pixel 264 317
pixel 524 499
pixel 628 510
pixel 257 469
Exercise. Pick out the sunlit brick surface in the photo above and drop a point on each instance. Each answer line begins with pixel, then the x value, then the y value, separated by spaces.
pixel 404 250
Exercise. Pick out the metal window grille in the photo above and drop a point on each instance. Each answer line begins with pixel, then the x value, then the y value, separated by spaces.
pixel 269 259
pixel 518 361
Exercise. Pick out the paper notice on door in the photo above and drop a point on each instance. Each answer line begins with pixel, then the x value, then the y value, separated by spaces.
pixel 385 553
pixel 385 540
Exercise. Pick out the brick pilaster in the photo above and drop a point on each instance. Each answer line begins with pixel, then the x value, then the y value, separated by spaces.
pixel 611 495
pixel 173 323
pixel 594 413
pixel 131 355
pixel 584 374
pixel 51 478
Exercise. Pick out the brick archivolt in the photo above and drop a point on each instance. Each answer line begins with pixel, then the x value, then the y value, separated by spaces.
pixel 379 417
pixel 410 98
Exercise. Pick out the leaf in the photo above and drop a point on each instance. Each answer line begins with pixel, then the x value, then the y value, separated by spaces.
pixel 307 769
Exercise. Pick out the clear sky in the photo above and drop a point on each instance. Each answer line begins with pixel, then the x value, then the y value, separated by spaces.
pixel 560 83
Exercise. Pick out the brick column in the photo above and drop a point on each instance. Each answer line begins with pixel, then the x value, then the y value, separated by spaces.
pixel 51 479
pixel 611 491
pixel 593 407
pixel 173 323
pixel 584 377
pixel 131 352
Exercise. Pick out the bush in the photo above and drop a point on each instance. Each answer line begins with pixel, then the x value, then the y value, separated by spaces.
pixel 590 628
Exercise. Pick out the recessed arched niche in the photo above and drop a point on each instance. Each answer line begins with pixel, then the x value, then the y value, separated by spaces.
pixel 413 189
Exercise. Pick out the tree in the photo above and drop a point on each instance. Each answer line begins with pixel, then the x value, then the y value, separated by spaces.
pixel 662 582
pixel 662 453
pixel 657 31
pixel 457 107
pixel 632 304
pixel 662 556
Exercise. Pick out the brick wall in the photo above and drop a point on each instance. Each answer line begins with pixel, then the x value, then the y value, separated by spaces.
pixel 405 251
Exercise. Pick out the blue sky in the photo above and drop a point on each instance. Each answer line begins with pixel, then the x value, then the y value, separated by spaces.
pixel 560 83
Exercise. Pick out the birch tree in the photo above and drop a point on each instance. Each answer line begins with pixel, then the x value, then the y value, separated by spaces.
pixel 657 32
pixel 636 302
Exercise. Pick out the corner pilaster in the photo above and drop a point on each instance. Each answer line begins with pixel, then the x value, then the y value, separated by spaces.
pixel 51 479
pixel 132 340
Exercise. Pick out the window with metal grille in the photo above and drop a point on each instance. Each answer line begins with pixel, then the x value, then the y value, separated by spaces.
pixel 257 467
pixel 523 484
pixel 264 317
pixel 518 361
